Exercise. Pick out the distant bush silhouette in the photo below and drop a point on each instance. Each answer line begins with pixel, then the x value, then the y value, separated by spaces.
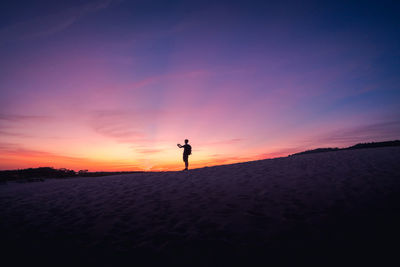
pixel 36 173
pixel 375 144
pixel 318 150
pixel 357 146
pixel 41 173
pixel 82 172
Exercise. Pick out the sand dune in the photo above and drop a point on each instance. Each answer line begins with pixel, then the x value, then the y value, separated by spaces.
pixel 332 207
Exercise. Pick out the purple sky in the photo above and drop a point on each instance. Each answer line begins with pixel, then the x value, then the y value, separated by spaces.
pixel 110 85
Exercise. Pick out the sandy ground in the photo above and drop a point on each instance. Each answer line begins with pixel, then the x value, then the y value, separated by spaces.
pixel 328 208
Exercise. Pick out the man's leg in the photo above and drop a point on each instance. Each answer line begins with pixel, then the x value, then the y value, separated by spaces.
pixel 186 160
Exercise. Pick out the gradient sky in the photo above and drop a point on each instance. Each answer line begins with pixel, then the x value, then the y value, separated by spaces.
pixel 115 85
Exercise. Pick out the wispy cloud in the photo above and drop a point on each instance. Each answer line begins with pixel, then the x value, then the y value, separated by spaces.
pixel 13 155
pixel 16 150
pixel 13 125
pixel 52 23
pixel 148 151
pixel 118 132
pixel 14 134
pixel 224 142
pixel 21 118
pixel 361 133
pixel 140 84
pixel 122 125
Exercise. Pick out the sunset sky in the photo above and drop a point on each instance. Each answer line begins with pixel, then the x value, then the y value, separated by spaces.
pixel 115 85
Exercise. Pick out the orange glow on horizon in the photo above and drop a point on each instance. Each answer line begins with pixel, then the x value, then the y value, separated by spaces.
pixel 22 159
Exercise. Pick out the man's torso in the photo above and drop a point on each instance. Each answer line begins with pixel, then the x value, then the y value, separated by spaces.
pixel 186 149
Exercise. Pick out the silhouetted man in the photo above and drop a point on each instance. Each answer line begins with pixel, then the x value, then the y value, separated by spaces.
pixel 187 150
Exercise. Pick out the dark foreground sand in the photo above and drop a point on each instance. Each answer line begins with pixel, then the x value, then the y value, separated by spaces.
pixel 337 208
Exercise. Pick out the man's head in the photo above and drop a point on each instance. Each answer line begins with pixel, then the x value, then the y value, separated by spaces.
pixel 186 141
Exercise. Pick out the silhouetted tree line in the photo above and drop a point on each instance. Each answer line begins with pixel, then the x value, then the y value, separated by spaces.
pixel 357 146
pixel 375 144
pixel 41 173
pixel 36 174
pixel 317 150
